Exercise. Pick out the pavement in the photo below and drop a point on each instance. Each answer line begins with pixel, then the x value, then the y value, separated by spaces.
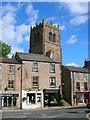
pixel 44 108
pixel 88 116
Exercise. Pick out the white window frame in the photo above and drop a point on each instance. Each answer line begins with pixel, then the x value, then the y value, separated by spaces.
pixel 35 67
pixel 85 76
pixel 33 80
pixel 0 69
pixel 52 81
pixel 11 69
pixel 52 68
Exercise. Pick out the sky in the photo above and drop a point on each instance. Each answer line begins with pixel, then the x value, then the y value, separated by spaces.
pixel 17 17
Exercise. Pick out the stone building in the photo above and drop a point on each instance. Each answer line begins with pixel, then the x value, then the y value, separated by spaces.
pixel 76 89
pixel 33 79
pixel 45 39
pixel 41 79
pixel 10 83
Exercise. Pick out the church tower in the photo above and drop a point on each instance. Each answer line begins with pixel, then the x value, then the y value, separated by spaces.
pixel 45 39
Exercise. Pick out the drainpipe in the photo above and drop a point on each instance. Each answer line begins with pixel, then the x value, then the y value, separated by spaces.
pixel 21 90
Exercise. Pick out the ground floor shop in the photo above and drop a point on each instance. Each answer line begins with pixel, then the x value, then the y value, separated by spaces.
pixel 9 100
pixel 51 97
pixel 32 99
pixel 82 97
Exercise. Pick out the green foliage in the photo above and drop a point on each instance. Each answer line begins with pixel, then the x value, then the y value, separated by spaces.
pixel 61 103
pixel 24 99
pixel 5 49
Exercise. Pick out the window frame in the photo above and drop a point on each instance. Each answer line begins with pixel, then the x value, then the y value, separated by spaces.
pixel 35 80
pixel 35 68
pixel 10 70
pixel 85 76
pixel 77 75
pixel 52 82
pixel 11 85
pixel 85 86
pixel 54 37
pixel 0 69
pixel 77 86
pixel 50 36
pixel 52 68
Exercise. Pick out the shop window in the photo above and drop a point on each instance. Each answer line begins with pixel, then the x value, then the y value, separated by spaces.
pixel 9 101
pixel 14 101
pixel 52 68
pixel 85 86
pixel 81 98
pixel 35 67
pixel 50 36
pixel 10 84
pixel 0 69
pixel 77 86
pixel 11 69
pixel 31 97
pixel 35 81
pixel 52 82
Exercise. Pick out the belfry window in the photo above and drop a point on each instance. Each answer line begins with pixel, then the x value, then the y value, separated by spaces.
pixel 50 36
pixel 54 37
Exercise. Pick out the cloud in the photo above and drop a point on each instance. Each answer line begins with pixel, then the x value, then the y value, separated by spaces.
pixel 77 10
pixel 45 1
pixel 32 14
pixel 72 39
pixel 13 33
pixel 77 7
pixel 0 29
pixel 79 20
pixel 62 27
pixel 72 64
pixel 50 19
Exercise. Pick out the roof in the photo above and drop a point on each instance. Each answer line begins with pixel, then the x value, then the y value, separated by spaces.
pixel 77 69
pixel 8 60
pixel 33 57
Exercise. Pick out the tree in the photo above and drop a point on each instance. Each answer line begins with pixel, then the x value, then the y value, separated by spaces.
pixel 5 49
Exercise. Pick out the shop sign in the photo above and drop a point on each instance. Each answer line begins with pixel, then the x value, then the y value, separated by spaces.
pixel 8 95
pixel 50 91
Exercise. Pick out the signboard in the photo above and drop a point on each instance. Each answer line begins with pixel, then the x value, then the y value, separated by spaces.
pixel 9 95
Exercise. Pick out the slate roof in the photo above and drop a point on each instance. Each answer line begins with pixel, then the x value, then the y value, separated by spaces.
pixel 7 60
pixel 77 69
pixel 33 57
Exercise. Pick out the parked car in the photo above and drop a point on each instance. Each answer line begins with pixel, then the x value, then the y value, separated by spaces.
pixel 88 105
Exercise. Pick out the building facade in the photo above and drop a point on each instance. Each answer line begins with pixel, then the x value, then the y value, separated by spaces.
pixel 41 79
pixel 10 83
pixel 76 85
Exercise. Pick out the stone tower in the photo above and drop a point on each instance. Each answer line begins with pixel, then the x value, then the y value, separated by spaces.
pixel 45 39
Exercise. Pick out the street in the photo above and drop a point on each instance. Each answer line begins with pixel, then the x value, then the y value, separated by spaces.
pixel 48 113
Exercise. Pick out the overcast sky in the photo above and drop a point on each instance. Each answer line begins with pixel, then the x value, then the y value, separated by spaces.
pixel 17 17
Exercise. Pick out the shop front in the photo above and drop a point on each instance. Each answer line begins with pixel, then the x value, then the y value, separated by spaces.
pixel 82 98
pixel 9 100
pixel 51 97
pixel 32 99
